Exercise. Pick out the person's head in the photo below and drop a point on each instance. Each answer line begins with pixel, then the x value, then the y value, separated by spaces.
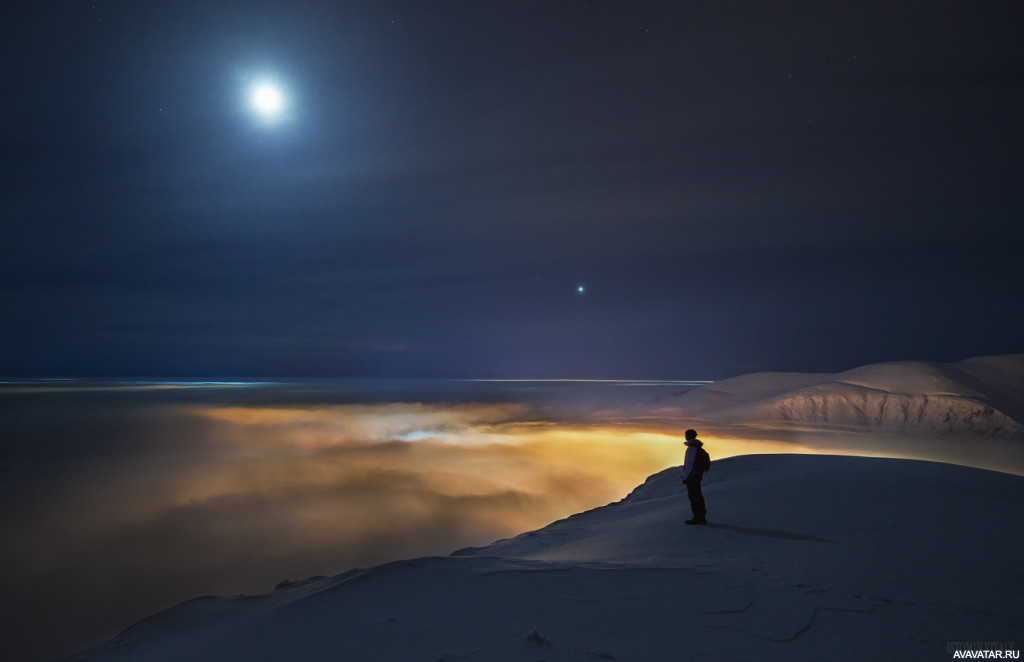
pixel 691 434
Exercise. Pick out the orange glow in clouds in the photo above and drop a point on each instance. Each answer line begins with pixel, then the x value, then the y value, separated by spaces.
pixel 493 464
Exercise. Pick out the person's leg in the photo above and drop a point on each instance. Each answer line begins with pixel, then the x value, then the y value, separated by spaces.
pixel 696 501
pixel 699 510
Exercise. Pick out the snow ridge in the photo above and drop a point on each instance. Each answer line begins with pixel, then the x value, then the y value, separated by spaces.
pixel 806 557
pixel 982 396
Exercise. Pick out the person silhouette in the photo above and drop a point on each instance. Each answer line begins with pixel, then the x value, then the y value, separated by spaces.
pixel 692 474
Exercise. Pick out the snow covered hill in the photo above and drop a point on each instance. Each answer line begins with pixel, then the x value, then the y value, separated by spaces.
pixel 979 396
pixel 806 557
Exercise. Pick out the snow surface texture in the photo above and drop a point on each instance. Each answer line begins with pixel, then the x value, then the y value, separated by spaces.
pixel 806 557
pixel 979 396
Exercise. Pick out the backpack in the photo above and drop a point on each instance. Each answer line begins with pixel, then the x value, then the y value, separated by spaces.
pixel 701 461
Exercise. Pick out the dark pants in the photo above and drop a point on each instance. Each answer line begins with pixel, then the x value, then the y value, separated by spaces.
pixel 696 497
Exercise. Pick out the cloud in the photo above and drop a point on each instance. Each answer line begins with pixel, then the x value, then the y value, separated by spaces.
pixel 143 505
pixel 348 424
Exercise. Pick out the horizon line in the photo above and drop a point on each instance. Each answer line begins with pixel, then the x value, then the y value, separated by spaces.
pixel 255 381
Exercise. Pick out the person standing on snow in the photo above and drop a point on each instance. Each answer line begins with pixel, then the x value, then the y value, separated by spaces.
pixel 694 466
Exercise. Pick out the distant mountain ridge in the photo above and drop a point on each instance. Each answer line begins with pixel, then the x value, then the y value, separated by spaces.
pixel 979 396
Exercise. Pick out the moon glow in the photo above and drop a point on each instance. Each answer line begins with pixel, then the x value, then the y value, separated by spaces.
pixel 267 100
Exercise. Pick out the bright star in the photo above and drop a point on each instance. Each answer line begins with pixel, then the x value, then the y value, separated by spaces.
pixel 580 289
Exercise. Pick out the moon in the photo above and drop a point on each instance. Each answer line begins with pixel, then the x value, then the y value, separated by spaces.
pixel 267 99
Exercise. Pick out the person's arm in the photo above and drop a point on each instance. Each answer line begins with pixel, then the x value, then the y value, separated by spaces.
pixel 688 459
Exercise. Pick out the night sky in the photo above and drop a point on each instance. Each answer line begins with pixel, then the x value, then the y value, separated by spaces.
pixel 736 186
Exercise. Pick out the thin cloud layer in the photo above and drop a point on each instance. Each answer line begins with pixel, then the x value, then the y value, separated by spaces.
pixel 175 501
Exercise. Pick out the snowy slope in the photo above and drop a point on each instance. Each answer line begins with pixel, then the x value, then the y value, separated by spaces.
pixel 981 396
pixel 806 557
